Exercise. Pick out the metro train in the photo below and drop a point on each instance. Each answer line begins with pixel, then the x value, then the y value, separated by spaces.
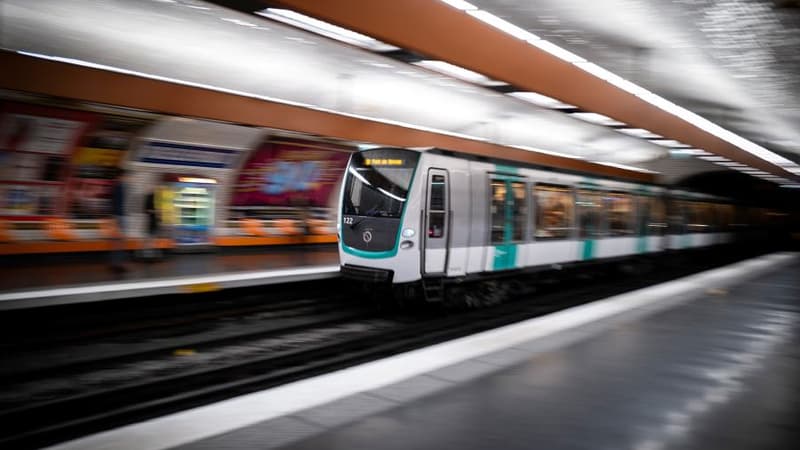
pixel 425 220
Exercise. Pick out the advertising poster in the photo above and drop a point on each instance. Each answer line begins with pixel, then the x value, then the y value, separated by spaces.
pixel 94 166
pixel 36 143
pixel 289 173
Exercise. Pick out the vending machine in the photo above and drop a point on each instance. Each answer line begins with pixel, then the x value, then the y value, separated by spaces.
pixel 187 204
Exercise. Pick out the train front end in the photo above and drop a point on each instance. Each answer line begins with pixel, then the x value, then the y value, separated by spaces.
pixel 379 221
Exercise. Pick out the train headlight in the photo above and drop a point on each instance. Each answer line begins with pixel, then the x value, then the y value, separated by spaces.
pixel 406 244
pixel 409 233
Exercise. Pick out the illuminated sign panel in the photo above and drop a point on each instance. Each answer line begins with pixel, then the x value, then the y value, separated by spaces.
pixel 383 162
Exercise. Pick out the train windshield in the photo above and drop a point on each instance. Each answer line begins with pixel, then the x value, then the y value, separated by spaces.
pixel 377 182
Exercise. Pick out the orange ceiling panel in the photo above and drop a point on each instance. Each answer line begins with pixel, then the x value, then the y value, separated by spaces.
pixel 30 74
pixel 442 32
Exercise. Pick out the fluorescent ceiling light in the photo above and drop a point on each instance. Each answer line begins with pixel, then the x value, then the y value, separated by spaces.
pixel 557 51
pixel 714 158
pixel 612 78
pixel 325 29
pixel 596 118
pixel 460 4
pixel 239 22
pixel 626 167
pixel 546 152
pixel 541 100
pixel 639 133
pixel 668 143
pixel 458 72
pixel 504 25
pixel 690 151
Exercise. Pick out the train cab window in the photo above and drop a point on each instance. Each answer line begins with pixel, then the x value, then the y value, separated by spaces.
pixel 619 209
pixel 437 207
pixel 498 211
pixel 591 214
pixel 519 209
pixel 554 211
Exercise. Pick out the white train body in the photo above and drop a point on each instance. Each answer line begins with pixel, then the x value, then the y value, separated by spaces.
pixel 407 215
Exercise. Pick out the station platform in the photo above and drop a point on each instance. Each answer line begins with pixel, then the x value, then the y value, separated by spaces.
pixel 28 283
pixel 706 361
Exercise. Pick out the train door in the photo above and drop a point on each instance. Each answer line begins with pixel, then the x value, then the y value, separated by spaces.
pixel 437 221
pixel 508 216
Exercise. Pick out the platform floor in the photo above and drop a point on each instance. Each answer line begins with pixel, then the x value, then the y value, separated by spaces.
pixel 720 372
pixel 31 282
pixel 704 362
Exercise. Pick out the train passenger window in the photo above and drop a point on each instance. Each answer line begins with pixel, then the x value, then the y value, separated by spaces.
pixel 642 214
pixel 619 209
pixel 435 224
pixel 657 224
pixel 677 216
pixel 698 217
pixel 554 211
pixel 437 193
pixel 437 207
pixel 519 210
pixel 591 215
pixel 725 216
pixel 498 211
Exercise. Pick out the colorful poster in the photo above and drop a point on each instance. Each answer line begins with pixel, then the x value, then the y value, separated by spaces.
pixel 36 143
pixel 29 133
pixel 290 173
pixel 94 166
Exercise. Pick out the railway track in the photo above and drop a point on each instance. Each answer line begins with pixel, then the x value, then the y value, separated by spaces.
pixel 52 406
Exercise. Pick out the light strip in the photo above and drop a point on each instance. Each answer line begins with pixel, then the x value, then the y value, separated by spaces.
pixel 556 51
pixel 317 26
pixel 541 100
pixel 596 118
pixel 626 167
pixel 671 143
pixel 503 25
pixel 690 151
pixel 639 133
pixel 546 152
pixel 460 4
pixel 714 158
pixel 158 283
pixel 458 72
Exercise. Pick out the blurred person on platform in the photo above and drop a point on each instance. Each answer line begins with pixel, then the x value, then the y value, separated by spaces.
pixel 118 193
pixel 150 251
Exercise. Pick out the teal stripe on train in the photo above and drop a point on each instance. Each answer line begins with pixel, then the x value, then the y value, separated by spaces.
pixel 642 241
pixel 588 245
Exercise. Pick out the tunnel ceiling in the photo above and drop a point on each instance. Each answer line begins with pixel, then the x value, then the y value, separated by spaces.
pixel 731 62
pixel 735 62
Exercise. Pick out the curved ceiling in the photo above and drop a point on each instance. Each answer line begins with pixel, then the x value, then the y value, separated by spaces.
pixel 200 44
pixel 456 34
